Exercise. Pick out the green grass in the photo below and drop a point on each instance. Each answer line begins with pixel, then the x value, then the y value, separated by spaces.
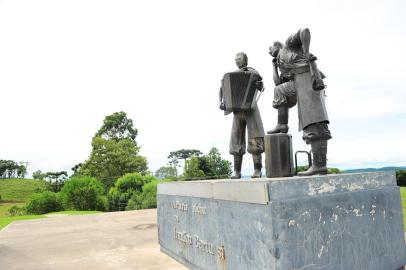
pixel 403 197
pixel 72 212
pixel 4 221
pixel 17 192
pixel 19 189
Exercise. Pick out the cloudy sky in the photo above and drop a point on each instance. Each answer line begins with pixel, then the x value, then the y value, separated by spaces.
pixel 65 65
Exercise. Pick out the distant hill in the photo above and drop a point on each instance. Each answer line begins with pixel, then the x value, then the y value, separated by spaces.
pixel 374 169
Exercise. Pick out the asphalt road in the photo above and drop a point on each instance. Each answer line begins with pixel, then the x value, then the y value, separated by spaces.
pixel 107 241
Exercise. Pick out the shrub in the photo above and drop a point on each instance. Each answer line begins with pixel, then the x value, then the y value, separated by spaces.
pixel 124 188
pixel 42 203
pixel 17 211
pixel 145 199
pixel 401 178
pixel 83 193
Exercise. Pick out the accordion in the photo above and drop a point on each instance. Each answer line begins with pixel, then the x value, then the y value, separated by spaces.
pixel 239 90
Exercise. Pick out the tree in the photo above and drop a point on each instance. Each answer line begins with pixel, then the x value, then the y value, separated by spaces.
pixel 168 172
pixel 112 159
pixel 114 151
pixel 182 154
pixel 38 175
pixel 216 165
pixel 211 165
pixel 56 180
pixel 117 127
pixel 10 169
pixel 192 168
pixel 124 188
pixel 83 193
pixel 401 178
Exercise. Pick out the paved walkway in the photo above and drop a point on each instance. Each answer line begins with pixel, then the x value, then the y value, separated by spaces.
pixel 108 241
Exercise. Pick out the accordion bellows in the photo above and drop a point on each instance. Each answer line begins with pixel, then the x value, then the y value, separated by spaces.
pixel 239 90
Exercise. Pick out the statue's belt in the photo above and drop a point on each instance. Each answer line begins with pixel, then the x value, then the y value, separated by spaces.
pixel 289 72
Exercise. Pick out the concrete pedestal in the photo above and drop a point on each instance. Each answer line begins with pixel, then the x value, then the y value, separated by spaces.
pixel 332 222
pixel 278 155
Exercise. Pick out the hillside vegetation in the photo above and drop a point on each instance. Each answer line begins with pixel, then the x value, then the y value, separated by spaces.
pixel 16 192
pixel 19 190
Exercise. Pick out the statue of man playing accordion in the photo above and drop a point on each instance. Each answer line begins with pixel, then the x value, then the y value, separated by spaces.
pixel 239 94
pixel 301 82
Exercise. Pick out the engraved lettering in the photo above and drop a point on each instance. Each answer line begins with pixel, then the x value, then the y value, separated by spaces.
pixel 221 253
pixel 179 206
pixel 183 237
pixel 204 245
pixel 200 210
pixel 176 217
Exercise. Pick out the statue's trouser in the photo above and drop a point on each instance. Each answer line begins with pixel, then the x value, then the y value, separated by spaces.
pixel 283 118
pixel 257 158
pixel 284 98
pixel 237 167
pixel 247 121
pixel 317 135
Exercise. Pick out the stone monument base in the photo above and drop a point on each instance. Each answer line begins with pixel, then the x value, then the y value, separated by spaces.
pixel 332 222
pixel 278 155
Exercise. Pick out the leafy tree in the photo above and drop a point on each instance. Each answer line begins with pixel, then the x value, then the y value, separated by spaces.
pixel 42 203
pixel 114 151
pixel 38 175
pixel 145 199
pixel 83 193
pixel 11 169
pixel 401 178
pixel 125 188
pixel 76 169
pixel 112 159
pixel 333 171
pixel 182 154
pixel 167 172
pixel 117 127
pixel 216 166
pixel 193 169
pixel 211 165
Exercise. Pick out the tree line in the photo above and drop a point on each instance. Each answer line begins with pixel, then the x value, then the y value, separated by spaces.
pixel 12 169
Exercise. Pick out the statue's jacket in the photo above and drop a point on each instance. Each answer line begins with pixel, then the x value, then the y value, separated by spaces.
pixel 293 64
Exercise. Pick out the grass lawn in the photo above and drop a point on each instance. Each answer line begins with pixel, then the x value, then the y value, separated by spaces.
pixel 19 189
pixel 4 221
pixel 72 212
pixel 403 197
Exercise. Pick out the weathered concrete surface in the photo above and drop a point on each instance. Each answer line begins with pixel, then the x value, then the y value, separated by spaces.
pixel 108 241
pixel 333 222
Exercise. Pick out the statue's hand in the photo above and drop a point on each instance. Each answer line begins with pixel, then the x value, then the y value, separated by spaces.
pixel 259 85
pixel 222 106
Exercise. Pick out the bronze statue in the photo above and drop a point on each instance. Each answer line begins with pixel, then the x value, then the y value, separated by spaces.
pixel 301 82
pixel 239 94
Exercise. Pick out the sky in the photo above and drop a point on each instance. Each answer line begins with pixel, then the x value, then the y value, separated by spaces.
pixel 66 65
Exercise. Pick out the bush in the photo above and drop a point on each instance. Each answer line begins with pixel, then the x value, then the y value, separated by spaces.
pixel 145 199
pixel 401 178
pixel 83 193
pixel 42 203
pixel 125 188
pixel 17 211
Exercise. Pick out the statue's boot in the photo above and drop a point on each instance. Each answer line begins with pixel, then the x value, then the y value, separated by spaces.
pixel 257 165
pixel 319 166
pixel 282 126
pixel 237 167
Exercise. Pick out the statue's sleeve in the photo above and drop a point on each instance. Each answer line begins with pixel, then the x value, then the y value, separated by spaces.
pixel 294 41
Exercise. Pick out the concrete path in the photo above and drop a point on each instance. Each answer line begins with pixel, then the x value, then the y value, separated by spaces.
pixel 108 241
